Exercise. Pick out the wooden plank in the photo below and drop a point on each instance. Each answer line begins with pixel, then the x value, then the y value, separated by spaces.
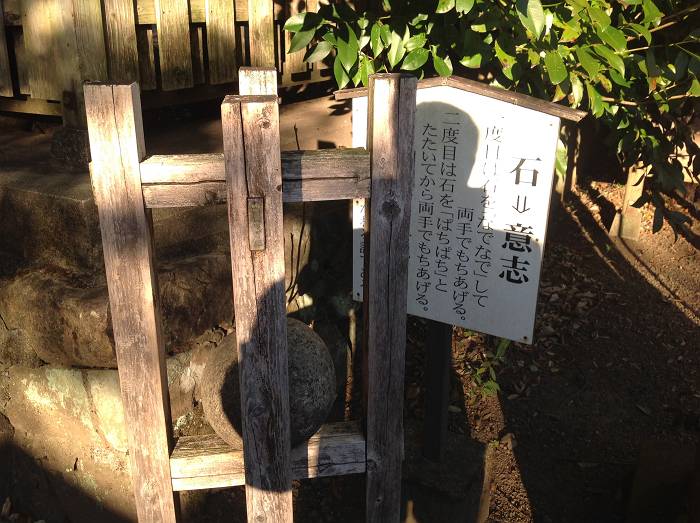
pixel 261 31
pixel 208 462
pixel 66 60
pixel 221 40
pixel 253 169
pixel 174 50
pixel 293 191
pixel 21 62
pixel 438 358
pixel 296 165
pixel 122 49
pixel 89 34
pixel 41 20
pixel 198 179
pixel 197 46
pixel 147 59
pixel 5 72
pixel 147 15
pixel 294 62
pixel 31 106
pixel 392 106
pixel 117 147
pixel 521 100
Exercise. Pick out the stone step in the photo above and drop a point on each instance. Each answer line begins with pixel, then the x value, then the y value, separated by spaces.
pixel 51 218
pixel 61 317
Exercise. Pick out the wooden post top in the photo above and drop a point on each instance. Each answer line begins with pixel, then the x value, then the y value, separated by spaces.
pixel 521 100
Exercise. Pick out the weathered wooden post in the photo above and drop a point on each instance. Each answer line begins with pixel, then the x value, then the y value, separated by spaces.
pixel 392 107
pixel 254 193
pixel 117 148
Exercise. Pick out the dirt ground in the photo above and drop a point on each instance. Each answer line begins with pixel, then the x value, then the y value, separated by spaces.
pixel 610 383
pixel 613 372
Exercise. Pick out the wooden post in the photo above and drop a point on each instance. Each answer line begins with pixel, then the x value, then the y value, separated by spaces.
pixel 5 73
pixel 254 193
pixel 391 115
pixel 117 147
pixel 438 355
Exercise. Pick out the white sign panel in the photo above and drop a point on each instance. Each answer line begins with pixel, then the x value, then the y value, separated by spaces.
pixel 482 186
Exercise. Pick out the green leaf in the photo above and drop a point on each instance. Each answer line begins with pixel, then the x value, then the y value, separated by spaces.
pixel 619 79
pixel 375 41
pixel 415 42
pixel 473 62
pixel 650 61
pixel 397 50
pixel 464 6
pixel 295 23
pixel 306 20
pixel 588 62
pixel 443 66
pixel 694 88
pixel 367 71
pixel 415 59
pixel 599 17
pixel 652 15
pixel 555 67
pixel 576 90
pixel 331 39
pixel 386 35
pixel 301 40
pixel 614 38
pixel 681 65
pixel 318 53
pixel 615 61
pixel 445 6
pixel 642 31
pixel 594 100
pixel 562 159
pixel 348 50
pixel 341 76
pixel 531 16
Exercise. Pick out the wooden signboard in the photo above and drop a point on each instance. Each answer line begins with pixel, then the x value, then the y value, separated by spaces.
pixel 482 184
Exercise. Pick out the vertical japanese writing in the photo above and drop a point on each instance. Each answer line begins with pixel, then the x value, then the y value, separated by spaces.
pixel 517 244
pixel 426 212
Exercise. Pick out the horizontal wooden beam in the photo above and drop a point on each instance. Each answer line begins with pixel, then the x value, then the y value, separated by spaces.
pixel 192 180
pixel 199 462
pixel 31 106
pixel 521 100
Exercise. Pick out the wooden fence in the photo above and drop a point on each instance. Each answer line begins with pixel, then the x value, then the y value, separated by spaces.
pixel 254 177
pixel 49 48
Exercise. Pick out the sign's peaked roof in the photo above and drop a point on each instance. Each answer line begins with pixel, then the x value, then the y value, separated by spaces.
pixel 464 84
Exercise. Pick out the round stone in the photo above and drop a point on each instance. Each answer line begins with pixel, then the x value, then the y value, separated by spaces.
pixel 312 388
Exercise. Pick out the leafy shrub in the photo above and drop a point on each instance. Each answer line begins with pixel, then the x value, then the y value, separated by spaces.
pixel 633 64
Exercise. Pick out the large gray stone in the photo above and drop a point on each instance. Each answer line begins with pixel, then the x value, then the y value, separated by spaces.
pixel 311 385
pixel 59 317
pixel 69 450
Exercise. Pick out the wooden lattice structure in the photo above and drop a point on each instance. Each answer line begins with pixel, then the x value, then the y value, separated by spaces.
pixel 255 179
pixel 49 48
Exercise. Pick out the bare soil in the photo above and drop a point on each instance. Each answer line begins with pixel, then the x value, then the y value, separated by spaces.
pixel 614 369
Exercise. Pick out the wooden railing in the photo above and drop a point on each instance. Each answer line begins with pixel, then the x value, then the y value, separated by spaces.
pixel 254 178
pixel 49 48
